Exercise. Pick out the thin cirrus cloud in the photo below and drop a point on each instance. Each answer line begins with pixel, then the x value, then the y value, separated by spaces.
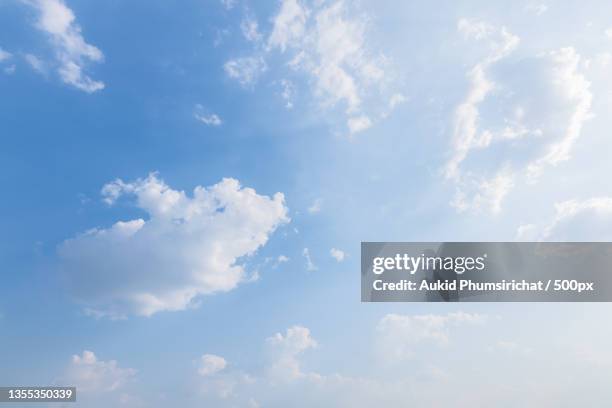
pixel 519 117
pixel 72 52
pixel 326 43
pixel 187 247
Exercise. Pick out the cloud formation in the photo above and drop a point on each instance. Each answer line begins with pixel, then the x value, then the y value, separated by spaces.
pixel 519 117
pixel 186 247
pixel 89 374
pixel 574 220
pixel 245 70
pixel 326 42
pixel 72 52
pixel 211 364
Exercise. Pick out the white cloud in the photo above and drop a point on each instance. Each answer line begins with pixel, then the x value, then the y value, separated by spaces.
pixel 71 49
pixel 289 24
pixel 245 70
pixel 211 364
pixel 188 246
pixel 210 119
pixel 316 206
pixel 358 124
pixel 328 43
pixel 250 29
pixel 467 114
pixel 517 118
pixel 396 99
pixel 337 254
pixel 574 220
pixel 4 55
pixel 280 260
pixel 288 92
pixel 483 194
pixel 399 335
pixel 89 374
pixel 573 88
pixel 608 33
pixel 287 348
pixel 310 266
pixel 36 63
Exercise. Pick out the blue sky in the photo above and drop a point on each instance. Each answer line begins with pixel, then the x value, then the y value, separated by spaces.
pixel 185 189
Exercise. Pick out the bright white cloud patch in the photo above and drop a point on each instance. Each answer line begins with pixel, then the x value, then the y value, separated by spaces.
pixel 518 117
pixel 187 246
pixel 326 41
pixel 337 254
pixel 359 124
pixel 211 364
pixel 245 70
pixel 289 24
pixel 287 348
pixel 399 335
pixel 89 374
pixel 71 50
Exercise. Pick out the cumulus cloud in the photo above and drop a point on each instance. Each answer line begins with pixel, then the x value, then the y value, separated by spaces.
pixel 245 70
pixel 574 220
pixel 399 335
pixel 287 348
pixel 518 117
pixel 71 50
pixel 186 247
pixel 211 364
pixel 89 374
pixel 337 254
